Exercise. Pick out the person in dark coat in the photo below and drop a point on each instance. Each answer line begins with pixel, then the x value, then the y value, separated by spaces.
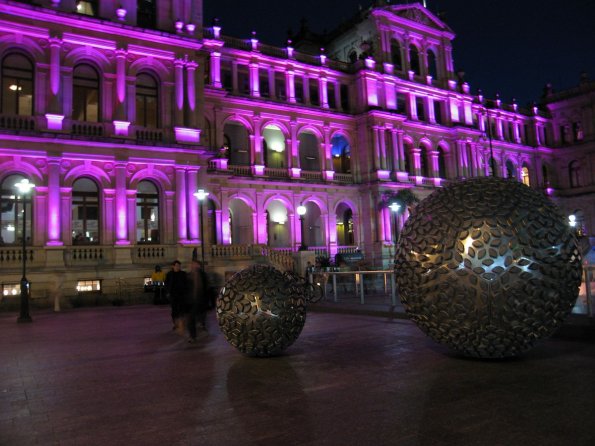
pixel 198 299
pixel 176 284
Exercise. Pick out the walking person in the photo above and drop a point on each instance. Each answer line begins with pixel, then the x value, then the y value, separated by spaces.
pixel 158 279
pixel 176 284
pixel 198 299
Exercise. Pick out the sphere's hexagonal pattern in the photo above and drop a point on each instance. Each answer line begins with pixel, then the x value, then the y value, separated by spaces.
pixel 487 266
pixel 261 311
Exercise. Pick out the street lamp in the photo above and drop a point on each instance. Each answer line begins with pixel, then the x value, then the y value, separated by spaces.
pixel 201 194
pixel 24 188
pixel 394 207
pixel 301 210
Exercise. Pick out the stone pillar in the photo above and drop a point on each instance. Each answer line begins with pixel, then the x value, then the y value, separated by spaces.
pixel 122 236
pixel 254 80
pixel 322 91
pixel 179 91
pixel 191 93
pixel 290 85
pixel 412 106
pixel 193 206
pixel 54 220
pixel 54 96
pixel 120 111
pixel 430 109
pixel 216 69
pixel 181 205
pixel 417 160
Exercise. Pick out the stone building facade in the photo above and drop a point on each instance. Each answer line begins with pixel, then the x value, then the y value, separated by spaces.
pixel 119 112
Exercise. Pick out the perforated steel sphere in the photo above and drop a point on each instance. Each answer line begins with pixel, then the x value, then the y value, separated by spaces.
pixel 261 311
pixel 487 266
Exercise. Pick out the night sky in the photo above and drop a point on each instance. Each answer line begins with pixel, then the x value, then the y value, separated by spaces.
pixel 510 47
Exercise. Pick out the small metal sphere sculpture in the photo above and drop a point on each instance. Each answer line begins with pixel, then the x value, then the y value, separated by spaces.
pixel 487 266
pixel 261 311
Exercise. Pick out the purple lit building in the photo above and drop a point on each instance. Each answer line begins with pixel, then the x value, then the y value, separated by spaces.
pixel 119 111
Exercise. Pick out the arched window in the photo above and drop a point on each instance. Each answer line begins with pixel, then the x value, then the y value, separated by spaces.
pixel 395 52
pixel 545 174
pixel 414 59
pixel 432 66
pixel 85 212
pixel 147 213
pixel 274 147
pixel 345 234
pixel 423 162
pixel 90 7
pixel 341 153
pixel 441 163
pixel 493 167
pixel 574 172
pixel 85 94
pixel 146 14
pixel 17 85
pixel 11 212
pixel 309 152
pixel 509 169
pixel 236 135
pixel 147 105
pixel 525 175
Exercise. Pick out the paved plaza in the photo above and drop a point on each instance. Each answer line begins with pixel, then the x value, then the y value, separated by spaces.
pixel 120 376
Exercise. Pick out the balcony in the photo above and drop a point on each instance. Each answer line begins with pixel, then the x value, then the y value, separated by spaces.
pixel 17 123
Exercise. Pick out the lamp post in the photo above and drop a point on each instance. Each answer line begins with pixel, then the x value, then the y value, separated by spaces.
pixel 201 195
pixel 24 188
pixel 394 207
pixel 301 210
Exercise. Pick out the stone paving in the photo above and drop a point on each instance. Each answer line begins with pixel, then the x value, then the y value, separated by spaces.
pixel 120 376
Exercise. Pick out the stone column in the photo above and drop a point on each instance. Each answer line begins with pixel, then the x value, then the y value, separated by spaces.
pixel 179 91
pixel 191 93
pixel 193 206
pixel 254 80
pixel 53 206
pixel 54 96
pixel 322 91
pixel 120 111
pixel 122 236
pixel 290 85
pixel 216 69
pixel 181 205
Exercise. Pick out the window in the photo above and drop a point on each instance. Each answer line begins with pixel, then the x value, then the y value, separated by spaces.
pixel 432 67
pixel 85 212
pixel 11 215
pixel 421 109
pixel 147 213
pixel 88 8
pixel 147 109
pixel 309 151
pixel 423 162
pixel 85 102
pixel 525 176
pixel 17 85
pixel 395 51
pixel 341 153
pixel 441 163
pixel 414 59
pixel 574 171
pixel 509 169
pixel 314 98
pixel 87 286
pixel 146 14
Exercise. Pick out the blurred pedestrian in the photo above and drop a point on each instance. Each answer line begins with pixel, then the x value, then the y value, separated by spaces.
pixel 176 284
pixel 158 282
pixel 198 299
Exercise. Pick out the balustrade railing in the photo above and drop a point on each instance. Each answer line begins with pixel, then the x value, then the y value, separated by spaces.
pixel 276 172
pixel 87 128
pixel 13 256
pixel 15 122
pixel 343 178
pixel 311 175
pixel 148 135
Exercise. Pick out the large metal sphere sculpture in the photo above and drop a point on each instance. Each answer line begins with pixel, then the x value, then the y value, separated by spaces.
pixel 261 311
pixel 487 266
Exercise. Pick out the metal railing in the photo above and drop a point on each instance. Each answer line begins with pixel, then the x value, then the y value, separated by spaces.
pixel 358 280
